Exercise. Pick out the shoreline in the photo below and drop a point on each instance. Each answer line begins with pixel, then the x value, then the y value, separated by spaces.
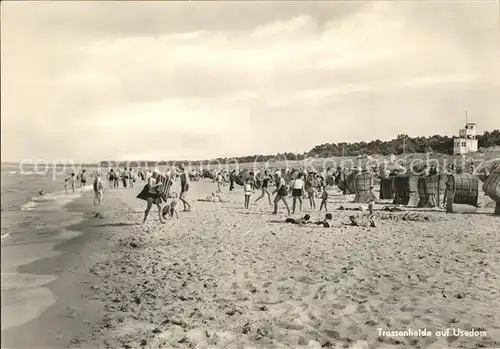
pixel 70 315
pixel 221 276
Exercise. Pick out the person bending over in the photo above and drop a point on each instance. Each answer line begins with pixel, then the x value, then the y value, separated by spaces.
pixel 170 209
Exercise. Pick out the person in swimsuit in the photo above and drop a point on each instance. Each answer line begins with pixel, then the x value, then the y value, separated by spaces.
pixel 153 195
pixel 170 209
pixel 83 179
pixel 66 180
pixel 116 180
pixel 264 186
pixel 72 182
pixel 111 178
pixel 311 190
pixel 248 193
pixel 184 190
pixel 361 221
pixel 327 222
pixel 98 190
pixel 281 193
pixel 324 199
pixel 297 191
pixel 300 221
pixel 212 198
pixel 219 180
pixel 131 177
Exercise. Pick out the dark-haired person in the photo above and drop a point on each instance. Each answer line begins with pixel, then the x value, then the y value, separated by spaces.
pixel 324 199
pixel 72 180
pixel 264 186
pixel 184 190
pixel 300 221
pixel 281 193
pixel 153 197
pixel 297 191
pixel 83 179
pixel 327 221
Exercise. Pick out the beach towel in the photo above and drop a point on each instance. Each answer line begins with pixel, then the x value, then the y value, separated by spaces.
pixel 163 190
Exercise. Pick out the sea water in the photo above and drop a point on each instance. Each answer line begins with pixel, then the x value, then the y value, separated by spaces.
pixel 31 226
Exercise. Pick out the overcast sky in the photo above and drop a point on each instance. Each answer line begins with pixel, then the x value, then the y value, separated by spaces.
pixel 192 80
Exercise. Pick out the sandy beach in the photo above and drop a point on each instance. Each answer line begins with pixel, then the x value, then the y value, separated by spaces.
pixel 223 277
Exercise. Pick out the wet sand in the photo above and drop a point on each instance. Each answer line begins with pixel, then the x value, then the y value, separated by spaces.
pixel 224 277
pixel 51 284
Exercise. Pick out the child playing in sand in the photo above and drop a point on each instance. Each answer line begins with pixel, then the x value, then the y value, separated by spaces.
pixel 327 222
pixel 300 221
pixel 324 199
pixel 170 209
pixel 248 193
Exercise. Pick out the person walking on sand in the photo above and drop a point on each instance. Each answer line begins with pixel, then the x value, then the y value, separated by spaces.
pixel 98 190
pixel 248 193
pixel 264 186
pixel 281 193
pixel 324 199
pixel 153 197
pixel 184 190
pixel 297 191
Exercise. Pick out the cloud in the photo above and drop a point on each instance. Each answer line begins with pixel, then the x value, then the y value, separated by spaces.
pixel 194 86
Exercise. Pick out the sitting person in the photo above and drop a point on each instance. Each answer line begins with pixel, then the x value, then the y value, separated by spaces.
pixel 300 221
pixel 327 222
pixel 170 209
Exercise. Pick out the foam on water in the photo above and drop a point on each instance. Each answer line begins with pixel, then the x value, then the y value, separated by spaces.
pixel 30 231
pixel 53 200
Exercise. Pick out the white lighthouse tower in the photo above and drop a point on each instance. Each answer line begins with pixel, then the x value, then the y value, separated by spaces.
pixel 466 142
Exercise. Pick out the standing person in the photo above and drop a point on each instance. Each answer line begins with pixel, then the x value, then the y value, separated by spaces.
pixel 248 193
pixel 184 190
pixel 324 199
pixel 264 186
pixel 232 177
pixel 116 178
pixel 98 190
pixel 219 180
pixel 125 177
pixel 153 197
pixel 83 180
pixel 111 178
pixel 281 193
pixel 297 191
pixel 72 180
pixel 66 180
pixel 310 188
pixel 131 177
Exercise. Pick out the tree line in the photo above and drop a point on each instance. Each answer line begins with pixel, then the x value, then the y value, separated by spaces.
pixel 402 143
